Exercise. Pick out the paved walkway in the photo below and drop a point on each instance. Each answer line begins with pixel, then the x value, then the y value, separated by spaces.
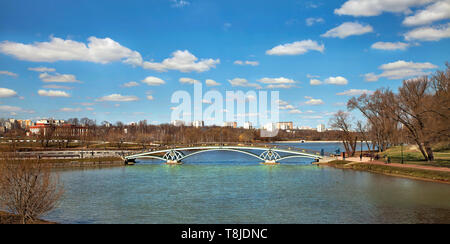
pixel 414 166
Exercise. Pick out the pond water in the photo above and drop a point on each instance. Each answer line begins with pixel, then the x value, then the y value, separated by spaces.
pixel 229 187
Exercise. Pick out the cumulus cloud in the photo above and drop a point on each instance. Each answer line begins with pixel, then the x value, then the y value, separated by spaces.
pixel 5 92
pixel 14 109
pixel 296 48
pixel 315 82
pixel 251 63
pixel 312 21
pixel 42 69
pixel 53 93
pixel 338 80
pixel 390 45
pixel 354 92
pixel 400 70
pixel 243 82
pixel 150 97
pixel 428 33
pixel 376 7
pixel 183 61
pixel 117 98
pixel 210 82
pixel 71 110
pixel 186 80
pixel 153 81
pixel 313 101
pixel 4 72
pixel 130 84
pixel 437 11
pixel 98 50
pixel 63 78
pixel 57 87
pixel 280 80
pixel 348 29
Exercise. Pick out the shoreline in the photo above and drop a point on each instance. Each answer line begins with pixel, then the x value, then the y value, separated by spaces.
pixel 403 172
pixel 307 141
pixel 9 218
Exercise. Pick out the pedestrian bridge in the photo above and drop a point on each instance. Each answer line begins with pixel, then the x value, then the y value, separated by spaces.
pixel 268 154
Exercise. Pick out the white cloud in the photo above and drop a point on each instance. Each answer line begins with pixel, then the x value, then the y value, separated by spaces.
pixel 53 93
pixel 153 81
pixel 130 84
pixel 312 76
pixel 210 82
pixel 150 97
pixel 295 111
pixel 354 92
pixel 4 72
pixel 57 87
pixel 42 69
pixel 296 48
pixel 98 50
pixel 312 21
pixel 252 63
pixel 191 81
pixel 315 82
pixel 243 82
pixel 280 80
pixel 428 33
pixel 348 29
pixel 275 86
pixel 13 110
pixel 71 110
pixel 5 92
pixel 390 45
pixel 376 7
pixel 400 70
pixel 338 80
pixel 117 98
pixel 313 101
pixel 179 3
pixel 437 11
pixel 63 78
pixel 182 61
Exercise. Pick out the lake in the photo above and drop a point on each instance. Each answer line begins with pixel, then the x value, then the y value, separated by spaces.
pixel 228 187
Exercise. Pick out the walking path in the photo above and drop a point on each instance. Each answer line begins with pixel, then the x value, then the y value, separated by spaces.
pixel 414 166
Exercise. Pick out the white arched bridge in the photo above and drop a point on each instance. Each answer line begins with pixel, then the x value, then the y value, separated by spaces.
pixel 268 154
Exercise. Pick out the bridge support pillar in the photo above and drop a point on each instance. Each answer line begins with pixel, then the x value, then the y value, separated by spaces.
pixel 173 162
pixel 270 162
pixel 131 161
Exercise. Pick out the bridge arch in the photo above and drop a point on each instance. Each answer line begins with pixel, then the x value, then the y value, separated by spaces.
pixel 222 149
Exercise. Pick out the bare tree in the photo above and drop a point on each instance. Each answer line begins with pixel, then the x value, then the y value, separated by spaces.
pixel 341 121
pixel 28 189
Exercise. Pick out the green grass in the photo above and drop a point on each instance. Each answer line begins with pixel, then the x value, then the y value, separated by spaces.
pixel 414 156
pixel 392 170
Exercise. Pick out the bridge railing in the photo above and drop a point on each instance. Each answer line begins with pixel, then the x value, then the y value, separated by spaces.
pixel 237 144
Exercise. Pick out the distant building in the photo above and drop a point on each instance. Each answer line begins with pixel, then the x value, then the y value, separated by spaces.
pixel 230 124
pixel 178 123
pixel 285 125
pixel 321 128
pixel 270 127
pixel 198 123
pixel 248 125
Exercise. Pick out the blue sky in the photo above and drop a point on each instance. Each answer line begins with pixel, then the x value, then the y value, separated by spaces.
pixel 67 59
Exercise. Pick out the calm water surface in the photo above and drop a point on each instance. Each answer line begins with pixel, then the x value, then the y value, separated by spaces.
pixel 227 187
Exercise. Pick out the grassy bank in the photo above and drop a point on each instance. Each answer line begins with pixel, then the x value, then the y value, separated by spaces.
pixel 84 162
pixel 392 170
pixel 8 218
pixel 411 155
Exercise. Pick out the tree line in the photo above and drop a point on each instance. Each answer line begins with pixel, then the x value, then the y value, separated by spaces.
pixel 418 113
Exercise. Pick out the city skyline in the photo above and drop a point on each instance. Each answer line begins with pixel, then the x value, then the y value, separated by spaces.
pixel 122 61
